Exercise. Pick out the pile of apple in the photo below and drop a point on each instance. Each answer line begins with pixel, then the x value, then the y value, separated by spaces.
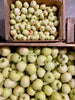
pixel 32 21
pixel 37 73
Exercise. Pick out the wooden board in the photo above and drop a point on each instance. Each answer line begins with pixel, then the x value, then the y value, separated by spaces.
pixel 61 16
pixel 60 44
pixel 71 30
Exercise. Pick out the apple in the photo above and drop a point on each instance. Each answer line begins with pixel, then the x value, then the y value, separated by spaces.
pixel 31 69
pixel 56 85
pixel 18 91
pixel 30 91
pixel 71 69
pixel 32 57
pixel 47 90
pixel 72 83
pixel 65 96
pixel 72 94
pixel 21 66
pixel 71 56
pixel 13 97
pixel 25 81
pixel 41 72
pixel 49 66
pixel 14 75
pixel 6 92
pixel 56 74
pixel 49 77
pixel 37 84
pixel 23 51
pixel 66 77
pixel 63 51
pixel 4 62
pixel 33 77
pixel 5 51
pixel 66 89
pixel 24 97
pixel 16 58
pixel 62 68
pixel 40 95
pixel 56 96
pixel 41 60
pixel 46 51
pixel 37 50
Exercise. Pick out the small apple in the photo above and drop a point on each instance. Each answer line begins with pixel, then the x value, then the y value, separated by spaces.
pixel 40 95
pixel 30 91
pixel 16 58
pixel 37 84
pixel 25 81
pixel 66 77
pixel 14 75
pixel 56 85
pixel 72 83
pixel 23 51
pixel 31 69
pixel 49 66
pixel 33 77
pixel 32 57
pixel 56 74
pixel 21 66
pixel 24 97
pixel 56 96
pixel 41 60
pixel 66 89
pixel 72 94
pixel 41 72
pixel 6 92
pixel 4 62
pixel 37 50
pixel 46 51
pixel 18 90
pixel 71 69
pixel 13 97
pixel 65 96
pixel 49 77
pixel 47 90
pixel 5 51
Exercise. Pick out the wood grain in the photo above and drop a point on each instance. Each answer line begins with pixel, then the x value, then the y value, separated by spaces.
pixel 61 16
pixel 71 30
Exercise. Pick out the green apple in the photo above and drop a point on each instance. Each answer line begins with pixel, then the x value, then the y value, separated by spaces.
pixel 14 75
pixel 18 90
pixel 66 77
pixel 24 97
pixel 46 51
pixel 40 95
pixel 23 51
pixel 49 66
pixel 41 60
pixel 30 91
pixel 37 50
pixel 5 51
pixel 65 96
pixel 13 97
pixel 66 89
pixel 6 92
pixel 32 57
pixel 47 90
pixel 41 72
pixel 72 83
pixel 16 58
pixel 33 77
pixel 56 85
pixel 71 69
pixel 25 81
pixel 56 96
pixel 72 94
pixel 49 77
pixel 49 58
pixel 31 69
pixel 37 84
pixel 4 62
pixel 21 66
pixel 56 74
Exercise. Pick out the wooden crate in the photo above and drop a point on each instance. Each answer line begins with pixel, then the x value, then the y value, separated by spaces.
pixel 71 30
pixel 61 16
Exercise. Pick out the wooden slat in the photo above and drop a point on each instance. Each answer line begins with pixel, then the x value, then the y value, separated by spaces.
pixel 60 44
pixel 71 30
